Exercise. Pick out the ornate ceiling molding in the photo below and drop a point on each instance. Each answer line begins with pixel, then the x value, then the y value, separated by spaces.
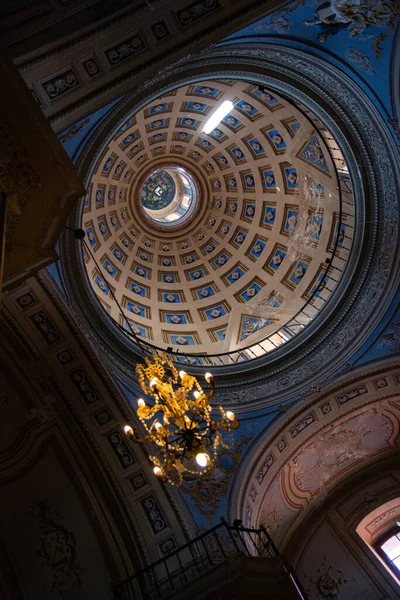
pixel 334 430
pixel 373 270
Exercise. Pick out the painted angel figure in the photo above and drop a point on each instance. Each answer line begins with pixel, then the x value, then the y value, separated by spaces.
pixel 353 15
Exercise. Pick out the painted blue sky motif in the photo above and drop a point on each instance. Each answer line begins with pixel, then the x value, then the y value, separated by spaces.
pixel 171 297
pixel 128 140
pixel 290 177
pixel 235 275
pixel 277 139
pixel 269 215
pixel 135 309
pixel 294 127
pixel 249 210
pixel 197 107
pixel 313 154
pixel 298 272
pixel 210 247
pixel 119 255
pixel 215 312
pixel 187 122
pixel 189 258
pixel 114 221
pixel 237 154
pixel 277 259
pixel 221 160
pixel 136 329
pixel 102 285
pixel 269 180
pixel 231 183
pixel 141 271
pixel 109 268
pixel 217 134
pixel 196 274
pixel 250 292
pixel 158 108
pixel 118 170
pixel 251 325
pixel 176 318
pixel 231 122
pixel 248 181
pixel 99 197
pixel 205 292
pixel 220 334
pixel 107 165
pixel 256 146
pixel 224 229
pixel 205 144
pixel 183 136
pixel 138 289
pixel 182 340
pixel 350 37
pixel 91 236
pixel 257 248
pixel 314 227
pixel 246 108
pixel 291 221
pixel 204 90
pixel 103 228
pixel 232 207
pixel 220 260
pixel 239 238
pixel 265 95
pixel 158 123
pixel 168 278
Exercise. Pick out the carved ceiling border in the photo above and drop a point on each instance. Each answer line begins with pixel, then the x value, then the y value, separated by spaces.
pixel 267 461
pixel 330 94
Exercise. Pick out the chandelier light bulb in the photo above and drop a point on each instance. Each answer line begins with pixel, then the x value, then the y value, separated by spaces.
pixel 207 377
pixel 182 374
pixel 230 415
pixel 128 429
pixel 153 382
pixel 157 471
pixel 158 425
pixel 196 394
pixel 141 402
pixel 202 459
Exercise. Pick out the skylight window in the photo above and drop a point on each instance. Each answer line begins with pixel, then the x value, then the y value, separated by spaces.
pixel 217 116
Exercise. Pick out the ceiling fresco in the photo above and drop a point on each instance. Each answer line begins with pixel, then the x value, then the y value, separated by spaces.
pixel 361 37
pixel 363 56
pixel 267 245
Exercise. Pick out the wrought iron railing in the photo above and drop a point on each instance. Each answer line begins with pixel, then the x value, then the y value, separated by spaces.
pixel 210 549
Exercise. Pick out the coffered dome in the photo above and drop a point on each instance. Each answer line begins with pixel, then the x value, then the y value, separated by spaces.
pixel 231 241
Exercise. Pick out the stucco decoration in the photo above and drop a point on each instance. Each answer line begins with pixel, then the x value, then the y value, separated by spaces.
pixel 317 448
pixel 370 283
pixel 267 246
pixel 328 572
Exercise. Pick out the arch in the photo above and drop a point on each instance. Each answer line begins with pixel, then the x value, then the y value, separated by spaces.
pixel 309 453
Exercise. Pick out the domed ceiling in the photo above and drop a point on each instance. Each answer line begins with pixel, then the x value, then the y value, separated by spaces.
pixel 231 241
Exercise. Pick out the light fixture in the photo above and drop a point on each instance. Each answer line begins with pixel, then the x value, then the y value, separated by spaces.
pixel 178 421
pixel 217 116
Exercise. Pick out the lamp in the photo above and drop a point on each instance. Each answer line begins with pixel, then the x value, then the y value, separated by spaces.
pixel 178 420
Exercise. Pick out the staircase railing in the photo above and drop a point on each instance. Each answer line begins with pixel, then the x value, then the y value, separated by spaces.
pixel 211 548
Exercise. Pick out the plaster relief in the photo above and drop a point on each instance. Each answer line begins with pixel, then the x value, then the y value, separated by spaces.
pixel 335 450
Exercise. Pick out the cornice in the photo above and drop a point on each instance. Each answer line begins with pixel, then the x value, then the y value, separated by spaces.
pixel 373 272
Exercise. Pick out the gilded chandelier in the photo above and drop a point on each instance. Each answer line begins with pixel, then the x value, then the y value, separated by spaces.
pixel 178 420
